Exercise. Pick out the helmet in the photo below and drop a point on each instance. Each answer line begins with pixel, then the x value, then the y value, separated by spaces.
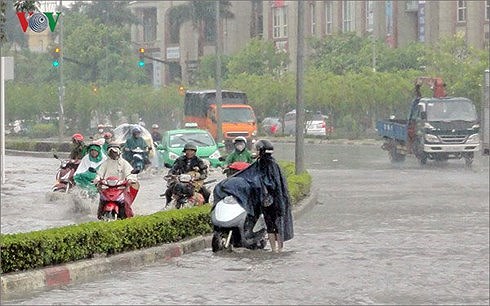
pixel 240 138
pixel 77 137
pixel 107 135
pixel 93 146
pixel 114 148
pixel 154 126
pixel 264 146
pixel 136 129
pixel 189 146
pixel 100 126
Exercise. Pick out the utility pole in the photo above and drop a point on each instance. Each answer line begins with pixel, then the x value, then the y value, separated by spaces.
pixel 300 126
pixel 219 130
pixel 61 88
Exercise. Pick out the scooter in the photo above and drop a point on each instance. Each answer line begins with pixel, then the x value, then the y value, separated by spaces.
pixel 117 196
pixel 184 191
pixel 138 158
pixel 235 167
pixel 234 227
pixel 65 173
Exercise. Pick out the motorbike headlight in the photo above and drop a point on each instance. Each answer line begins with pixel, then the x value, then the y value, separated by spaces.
pixel 215 155
pixel 475 138
pixel 431 138
pixel 173 156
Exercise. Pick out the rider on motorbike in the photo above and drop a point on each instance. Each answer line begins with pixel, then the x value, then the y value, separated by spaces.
pixel 86 171
pixel 186 163
pixel 240 153
pixel 79 149
pixel 117 167
pixel 134 142
pixel 107 141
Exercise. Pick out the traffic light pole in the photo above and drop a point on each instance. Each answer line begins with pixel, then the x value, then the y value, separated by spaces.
pixel 61 90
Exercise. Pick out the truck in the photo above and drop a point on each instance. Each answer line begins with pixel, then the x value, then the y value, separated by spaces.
pixel 438 128
pixel 237 116
pixel 485 115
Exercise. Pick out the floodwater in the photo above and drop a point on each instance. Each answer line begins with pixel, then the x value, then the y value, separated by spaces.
pixel 379 234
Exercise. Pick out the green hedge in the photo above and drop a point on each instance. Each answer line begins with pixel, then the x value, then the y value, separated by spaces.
pixel 37 146
pixel 37 249
pixel 26 251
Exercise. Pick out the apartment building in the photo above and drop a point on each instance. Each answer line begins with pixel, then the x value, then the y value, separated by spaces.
pixel 176 39
pixel 181 43
pixel 397 23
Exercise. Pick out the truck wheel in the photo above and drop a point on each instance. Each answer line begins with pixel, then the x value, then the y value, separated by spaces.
pixel 396 157
pixel 468 159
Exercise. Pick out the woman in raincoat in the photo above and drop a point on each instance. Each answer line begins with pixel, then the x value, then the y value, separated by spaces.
pixel 87 169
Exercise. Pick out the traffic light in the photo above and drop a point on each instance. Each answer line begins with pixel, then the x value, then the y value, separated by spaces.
pixel 141 62
pixel 181 90
pixel 56 56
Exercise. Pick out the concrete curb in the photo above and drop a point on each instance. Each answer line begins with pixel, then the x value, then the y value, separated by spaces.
pixel 18 283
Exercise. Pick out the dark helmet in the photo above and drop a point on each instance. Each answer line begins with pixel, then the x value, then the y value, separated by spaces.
pixel 136 129
pixel 264 146
pixel 189 146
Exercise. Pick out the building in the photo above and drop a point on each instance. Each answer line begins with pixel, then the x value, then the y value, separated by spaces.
pixel 181 43
pixel 175 40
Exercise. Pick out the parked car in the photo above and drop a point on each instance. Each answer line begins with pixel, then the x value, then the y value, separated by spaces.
pixel 173 142
pixel 316 124
pixel 290 123
pixel 271 126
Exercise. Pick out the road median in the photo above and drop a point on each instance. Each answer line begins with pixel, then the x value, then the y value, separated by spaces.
pixel 19 283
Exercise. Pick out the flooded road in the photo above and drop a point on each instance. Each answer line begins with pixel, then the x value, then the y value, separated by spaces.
pixel 379 234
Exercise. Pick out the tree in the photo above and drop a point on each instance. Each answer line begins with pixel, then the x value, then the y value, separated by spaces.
pixel 259 57
pixel 98 52
pixel 110 13
pixel 202 14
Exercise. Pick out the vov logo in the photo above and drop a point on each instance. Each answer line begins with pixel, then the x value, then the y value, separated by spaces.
pixel 38 22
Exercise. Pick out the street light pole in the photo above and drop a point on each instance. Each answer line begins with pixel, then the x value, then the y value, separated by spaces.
pixel 300 67
pixel 219 131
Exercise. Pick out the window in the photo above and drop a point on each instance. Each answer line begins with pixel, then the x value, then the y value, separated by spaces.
pixel 369 16
pixel 347 16
pixel 149 24
pixel 461 11
pixel 487 10
pixel 312 18
pixel 329 18
pixel 280 25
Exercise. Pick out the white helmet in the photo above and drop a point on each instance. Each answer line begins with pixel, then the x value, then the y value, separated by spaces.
pixel 154 126
pixel 240 138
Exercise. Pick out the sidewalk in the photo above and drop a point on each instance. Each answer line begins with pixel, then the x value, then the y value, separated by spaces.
pixel 18 283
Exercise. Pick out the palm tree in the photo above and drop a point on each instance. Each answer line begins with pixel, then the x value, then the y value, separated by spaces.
pixel 202 13
pixel 26 5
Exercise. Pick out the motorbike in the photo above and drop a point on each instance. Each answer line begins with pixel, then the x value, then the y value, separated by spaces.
pixel 234 227
pixel 139 158
pixel 65 173
pixel 235 167
pixel 117 196
pixel 185 190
